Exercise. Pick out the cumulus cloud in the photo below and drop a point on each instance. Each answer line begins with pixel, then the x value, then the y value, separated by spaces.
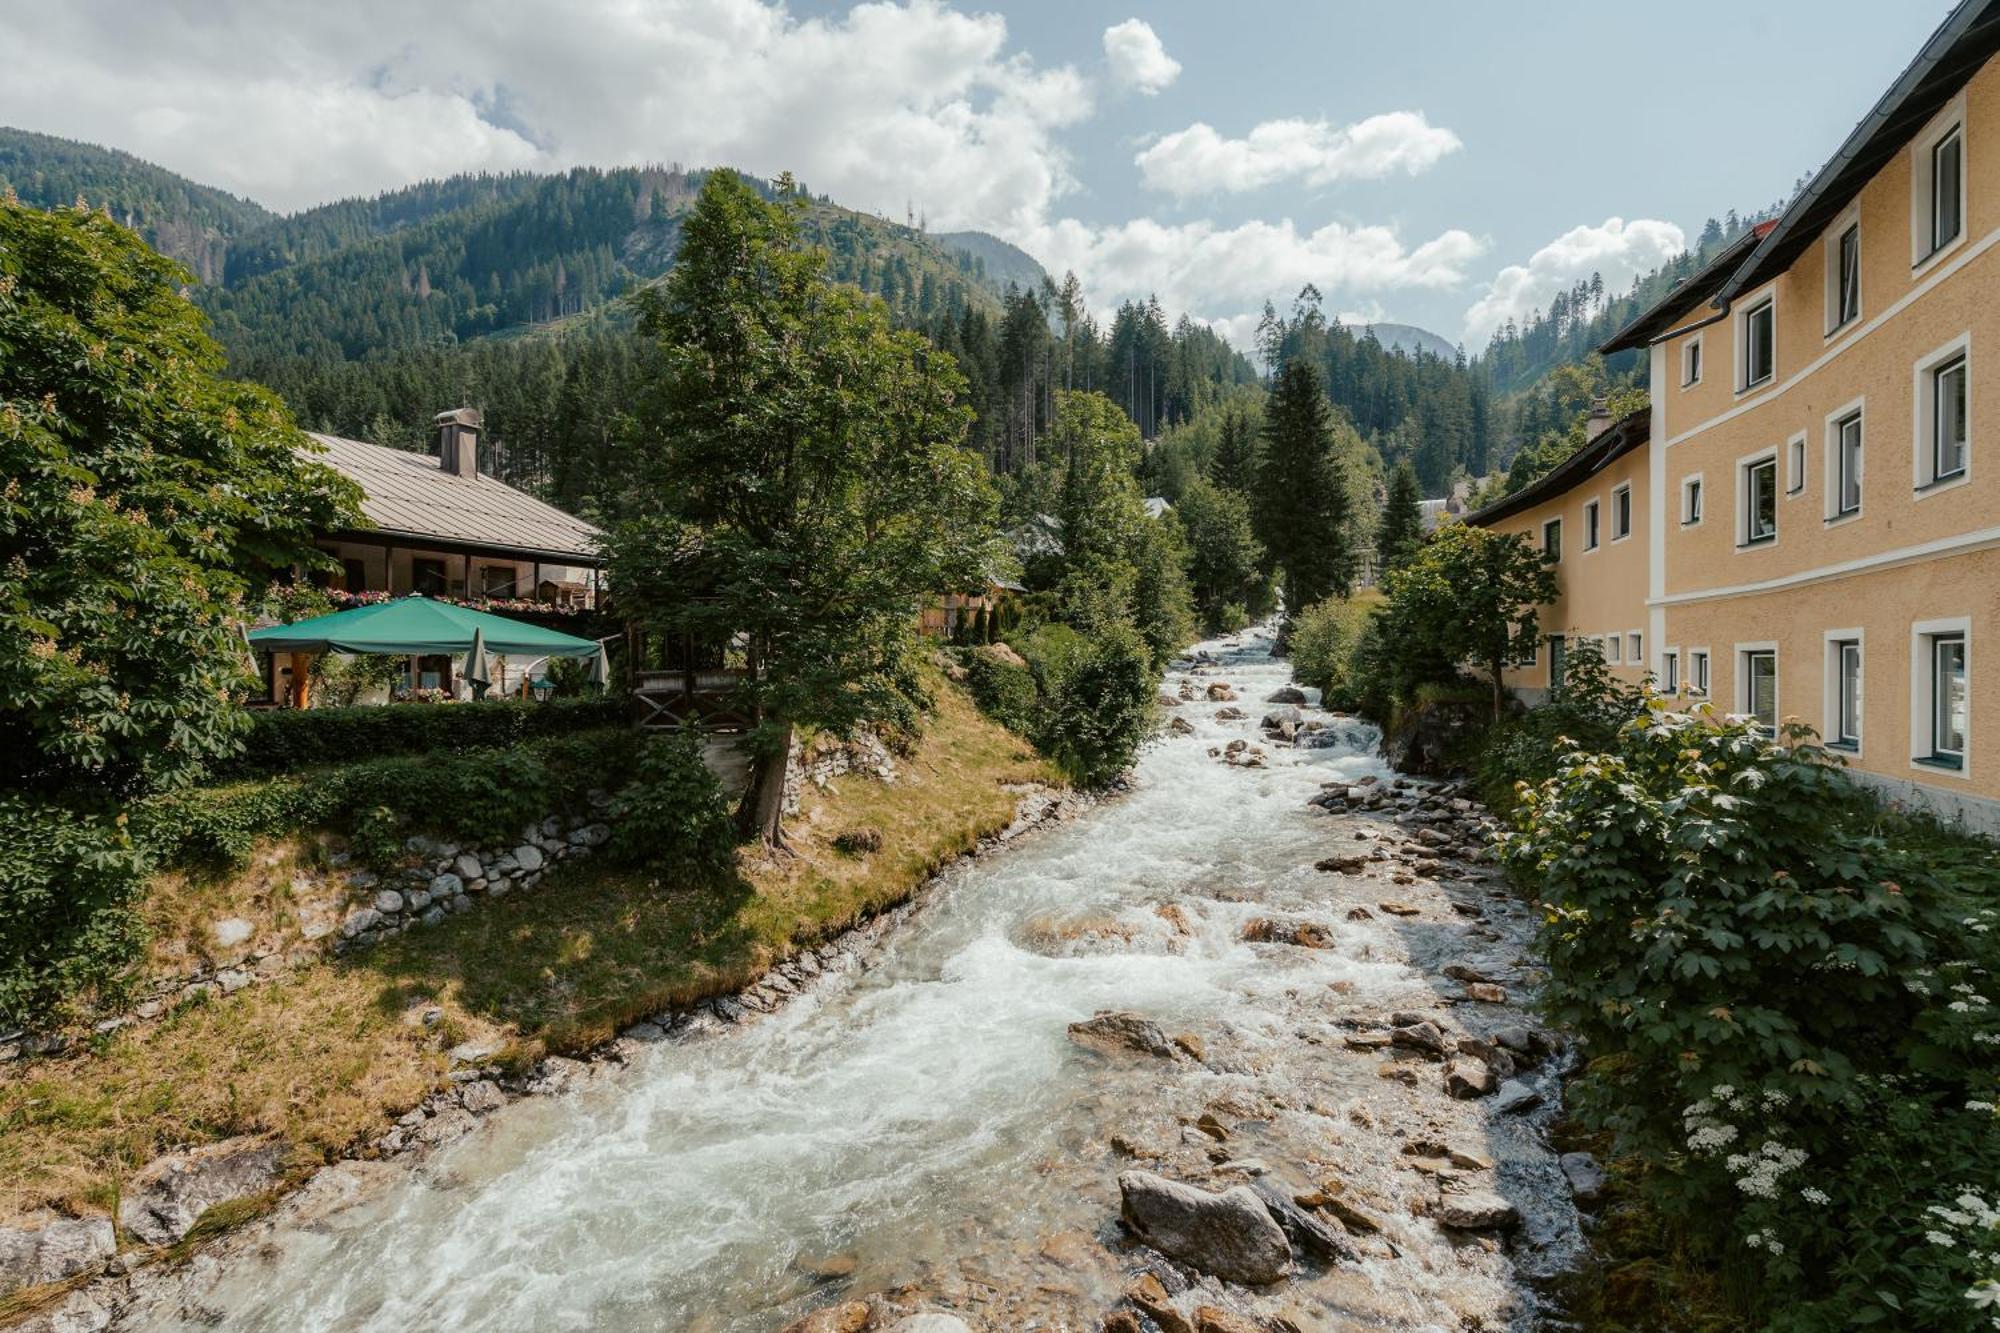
pixel 1208 271
pixel 1198 160
pixel 885 105
pixel 1618 249
pixel 1137 58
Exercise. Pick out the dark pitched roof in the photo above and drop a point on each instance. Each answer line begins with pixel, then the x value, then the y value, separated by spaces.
pixel 1965 41
pixel 409 495
pixel 1621 437
pixel 1686 294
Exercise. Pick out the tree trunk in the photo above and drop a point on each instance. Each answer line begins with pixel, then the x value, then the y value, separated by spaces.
pixel 1499 690
pixel 760 814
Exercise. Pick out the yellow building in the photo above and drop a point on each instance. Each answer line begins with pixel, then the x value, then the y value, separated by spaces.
pixel 1590 514
pixel 1822 486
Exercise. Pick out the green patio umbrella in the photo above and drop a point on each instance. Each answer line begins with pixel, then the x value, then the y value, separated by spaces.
pixel 414 626
pixel 478 671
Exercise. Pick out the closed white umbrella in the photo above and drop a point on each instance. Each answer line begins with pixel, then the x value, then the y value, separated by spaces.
pixel 600 668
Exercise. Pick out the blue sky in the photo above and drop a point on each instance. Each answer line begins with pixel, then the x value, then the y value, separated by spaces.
pixel 1443 164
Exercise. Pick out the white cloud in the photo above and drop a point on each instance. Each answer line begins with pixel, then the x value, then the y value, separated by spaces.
pixel 1222 275
pixel 1137 58
pixel 1618 249
pixel 884 105
pixel 1198 160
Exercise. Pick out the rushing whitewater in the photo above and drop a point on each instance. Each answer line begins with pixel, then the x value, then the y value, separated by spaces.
pixel 924 1125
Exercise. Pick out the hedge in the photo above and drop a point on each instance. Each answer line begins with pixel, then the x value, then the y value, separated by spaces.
pixel 286 740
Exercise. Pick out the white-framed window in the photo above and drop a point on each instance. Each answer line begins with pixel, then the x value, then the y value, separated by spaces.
pixel 1757 683
pixel 1698 671
pixel 1944 415
pixel 1691 362
pixel 1552 539
pixel 1670 671
pixel 1842 727
pixel 1795 465
pixel 1621 513
pixel 1844 435
pixel 1757 499
pixel 1558 660
pixel 1590 525
pixel 1941 695
pixel 1691 500
pixel 1756 343
pixel 1611 647
pixel 1937 185
pixel 1635 647
pixel 1843 273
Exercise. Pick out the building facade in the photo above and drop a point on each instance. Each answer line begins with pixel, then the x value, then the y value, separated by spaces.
pixel 1819 494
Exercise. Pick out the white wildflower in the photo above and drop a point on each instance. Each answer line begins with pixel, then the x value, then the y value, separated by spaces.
pixel 1813 1194
pixel 1943 1239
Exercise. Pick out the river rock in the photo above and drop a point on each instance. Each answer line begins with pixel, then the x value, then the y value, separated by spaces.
pixel 930 1322
pixel 1346 863
pixel 52 1249
pixel 1210 1319
pixel 1230 715
pixel 360 919
pixel 850 1317
pixel 528 857
pixel 1466 1079
pixel 1312 1236
pixel 1304 934
pixel 445 885
pixel 1422 1035
pixel 388 902
pixel 1585 1176
pixel 1515 1096
pixel 1287 694
pixel 1221 693
pixel 1113 1030
pixel 1180 726
pixel 171 1193
pixel 1476 1210
pixel 1231 1235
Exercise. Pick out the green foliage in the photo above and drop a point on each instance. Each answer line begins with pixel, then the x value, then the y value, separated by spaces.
pixel 1301 502
pixel 1324 640
pixel 1225 561
pixel 285 740
pixel 1099 710
pixel 68 881
pixel 1568 395
pixel 1162 605
pixel 338 680
pixel 1004 691
pixel 1470 595
pixel 1530 746
pixel 1788 1014
pixel 1402 528
pixel 673 817
pixel 145 495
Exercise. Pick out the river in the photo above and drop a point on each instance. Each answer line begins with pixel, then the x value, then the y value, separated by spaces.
pixel 924 1125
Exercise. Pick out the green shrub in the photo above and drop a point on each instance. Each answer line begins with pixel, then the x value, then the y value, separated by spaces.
pixel 1050 650
pixel 1098 714
pixel 673 816
pixel 67 884
pixel 284 739
pixel 1787 1016
pixel 1529 746
pixel 1004 691
pixel 1322 645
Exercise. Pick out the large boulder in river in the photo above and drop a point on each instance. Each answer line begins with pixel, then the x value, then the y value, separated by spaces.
pixel 1221 692
pixel 1114 1030
pixel 1287 694
pixel 1231 1235
pixel 168 1196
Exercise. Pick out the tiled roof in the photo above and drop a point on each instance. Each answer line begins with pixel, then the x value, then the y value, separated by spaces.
pixel 409 495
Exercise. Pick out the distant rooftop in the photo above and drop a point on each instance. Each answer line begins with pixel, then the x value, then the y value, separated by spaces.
pixel 410 495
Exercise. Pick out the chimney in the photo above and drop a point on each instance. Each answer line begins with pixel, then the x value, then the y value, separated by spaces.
pixel 458 441
pixel 1596 425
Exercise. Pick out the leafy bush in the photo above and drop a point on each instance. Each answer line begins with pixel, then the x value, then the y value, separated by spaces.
pixel 67 882
pixel 1529 746
pixel 284 739
pixel 1787 1016
pixel 1051 651
pixel 1098 714
pixel 1322 644
pixel 1003 690
pixel 673 816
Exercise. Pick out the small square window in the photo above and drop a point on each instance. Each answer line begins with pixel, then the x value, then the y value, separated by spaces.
pixel 1552 539
pixel 1612 648
pixel 1691 362
pixel 1634 648
pixel 1670 672
pixel 1621 513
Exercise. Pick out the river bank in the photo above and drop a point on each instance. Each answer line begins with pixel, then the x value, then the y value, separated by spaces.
pixel 1339 976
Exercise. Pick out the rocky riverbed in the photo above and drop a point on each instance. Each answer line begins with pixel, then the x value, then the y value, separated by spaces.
pixel 1245 1049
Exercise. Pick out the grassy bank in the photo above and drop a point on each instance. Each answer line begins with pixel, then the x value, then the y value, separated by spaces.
pixel 330 1053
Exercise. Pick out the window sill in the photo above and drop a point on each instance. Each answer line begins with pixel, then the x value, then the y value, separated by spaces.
pixel 1944 483
pixel 1930 260
pixel 1756 543
pixel 1835 520
pixel 1941 763
pixel 1844 747
pixel 1842 327
pixel 1756 386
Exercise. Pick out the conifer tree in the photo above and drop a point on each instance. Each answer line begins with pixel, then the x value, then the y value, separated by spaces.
pixel 1301 498
pixel 1402 529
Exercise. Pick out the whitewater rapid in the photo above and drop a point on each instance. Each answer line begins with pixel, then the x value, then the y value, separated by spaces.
pixel 923 1124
